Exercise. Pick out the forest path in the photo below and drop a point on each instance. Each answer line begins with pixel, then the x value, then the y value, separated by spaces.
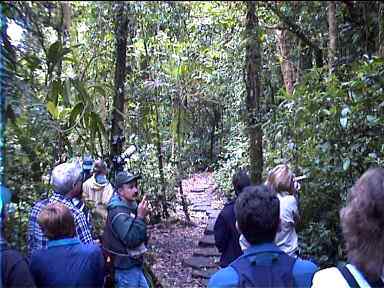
pixel 184 255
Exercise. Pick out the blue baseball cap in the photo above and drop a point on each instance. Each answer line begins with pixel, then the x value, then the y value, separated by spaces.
pixel 87 163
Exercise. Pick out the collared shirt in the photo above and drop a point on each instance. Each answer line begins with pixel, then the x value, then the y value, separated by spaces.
pixel 68 263
pixel 302 270
pixel 35 236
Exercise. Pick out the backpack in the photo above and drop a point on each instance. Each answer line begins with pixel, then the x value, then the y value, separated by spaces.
pixel 252 274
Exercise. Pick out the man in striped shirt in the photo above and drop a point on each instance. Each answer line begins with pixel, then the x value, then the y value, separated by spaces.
pixel 67 180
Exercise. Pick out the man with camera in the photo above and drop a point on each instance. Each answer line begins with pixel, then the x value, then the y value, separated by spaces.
pixel 125 232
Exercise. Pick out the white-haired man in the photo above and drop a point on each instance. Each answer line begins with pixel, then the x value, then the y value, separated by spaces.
pixel 67 181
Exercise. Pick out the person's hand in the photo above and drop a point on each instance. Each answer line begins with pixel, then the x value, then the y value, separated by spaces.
pixel 143 208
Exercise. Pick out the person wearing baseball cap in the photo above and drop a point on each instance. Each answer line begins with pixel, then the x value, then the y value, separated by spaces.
pixel 98 191
pixel 87 167
pixel 125 232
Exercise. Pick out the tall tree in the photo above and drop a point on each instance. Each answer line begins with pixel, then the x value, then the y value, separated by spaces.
pixel 287 66
pixel 253 90
pixel 381 29
pixel 120 74
pixel 332 26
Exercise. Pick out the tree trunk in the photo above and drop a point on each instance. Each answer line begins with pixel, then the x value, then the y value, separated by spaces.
pixel 253 88
pixel 163 195
pixel 381 28
pixel 120 74
pixel 287 67
pixel 184 202
pixel 332 26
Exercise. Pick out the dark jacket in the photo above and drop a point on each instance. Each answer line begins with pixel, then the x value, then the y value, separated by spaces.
pixel 68 263
pixel 14 268
pixel 124 233
pixel 226 235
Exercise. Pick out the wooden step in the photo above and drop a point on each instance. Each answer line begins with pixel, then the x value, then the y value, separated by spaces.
pixel 207 241
pixel 205 273
pixel 199 262
pixel 197 190
pixel 210 227
pixel 206 252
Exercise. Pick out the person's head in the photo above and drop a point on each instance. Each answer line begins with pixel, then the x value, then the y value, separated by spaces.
pixel 126 185
pixel 257 212
pixel 67 179
pixel 56 221
pixel 362 222
pixel 100 167
pixel 100 171
pixel 281 179
pixel 240 180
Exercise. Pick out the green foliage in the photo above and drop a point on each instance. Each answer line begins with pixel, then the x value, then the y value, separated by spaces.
pixel 329 130
pixel 184 99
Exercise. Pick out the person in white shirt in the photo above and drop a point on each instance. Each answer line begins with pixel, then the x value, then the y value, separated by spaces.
pixel 282 181
pixel 362 222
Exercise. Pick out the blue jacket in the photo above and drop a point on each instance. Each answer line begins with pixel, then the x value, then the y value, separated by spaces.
pixel 123 232
pixel 303 270
pixel 68 263
pixel 226 235
pixel 14 268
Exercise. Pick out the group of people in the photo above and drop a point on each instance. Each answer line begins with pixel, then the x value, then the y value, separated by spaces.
pixel 255 234
pixel 64 249
pixel 257 239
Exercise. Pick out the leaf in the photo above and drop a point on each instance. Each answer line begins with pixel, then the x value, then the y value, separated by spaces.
pixel 54 52
pixel 346 164
pixel 52 109
pixel 77 110
pixel 80 87
pixel 33 62
pixel 56 90
pixel 100 89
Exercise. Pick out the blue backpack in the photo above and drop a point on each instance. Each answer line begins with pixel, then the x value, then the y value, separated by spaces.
pixel 276 274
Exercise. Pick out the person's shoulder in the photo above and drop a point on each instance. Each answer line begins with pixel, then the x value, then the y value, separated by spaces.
pixel 288 198
pixel 304 266
pixel 329 277
pixel 226 277
pixel 88 182
pixel 303 271
pixel 89 248
pixel 39 204
pixel 333 271
pixel 228 207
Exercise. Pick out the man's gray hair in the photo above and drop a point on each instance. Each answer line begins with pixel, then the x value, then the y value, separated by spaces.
pixel 65 176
